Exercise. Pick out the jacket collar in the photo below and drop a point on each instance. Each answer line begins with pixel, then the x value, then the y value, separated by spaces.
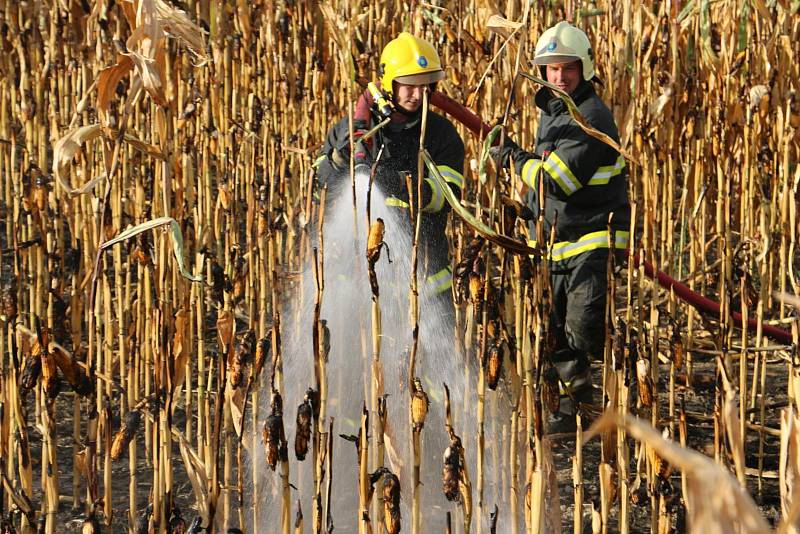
pixel 552 105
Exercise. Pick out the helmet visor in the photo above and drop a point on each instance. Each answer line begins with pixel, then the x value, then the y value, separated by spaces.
pixel 551 59
pixel 423 78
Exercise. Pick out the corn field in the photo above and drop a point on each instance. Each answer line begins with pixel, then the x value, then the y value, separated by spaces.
pixel 161 225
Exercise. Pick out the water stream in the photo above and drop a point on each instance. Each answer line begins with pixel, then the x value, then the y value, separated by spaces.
pixel 346 307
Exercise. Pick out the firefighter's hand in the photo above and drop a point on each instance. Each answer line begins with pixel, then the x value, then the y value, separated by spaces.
pixel 506 153
pixel 341 156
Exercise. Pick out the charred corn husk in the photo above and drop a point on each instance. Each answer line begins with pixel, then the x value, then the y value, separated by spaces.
pixel 451 470
pixel 242 356
pixel 130 424
pixel 493 365
pixel 475 288
pixel 9 299
pixel 645 382
pixel 74 374
pixel 274 437
pixel 31 370
pixel 305 417
pixel 551 396
pixel 90 526
pixel 391 502
pixel 263 349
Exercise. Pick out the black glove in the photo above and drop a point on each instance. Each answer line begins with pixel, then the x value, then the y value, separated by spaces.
pixel 340 156
pixel 511 152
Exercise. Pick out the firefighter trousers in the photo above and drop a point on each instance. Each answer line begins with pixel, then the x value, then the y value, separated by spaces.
pixel 579 287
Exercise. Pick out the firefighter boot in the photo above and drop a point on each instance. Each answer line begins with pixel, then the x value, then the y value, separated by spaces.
pixel 581 395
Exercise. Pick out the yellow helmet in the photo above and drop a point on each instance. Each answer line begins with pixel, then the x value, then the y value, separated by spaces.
pixel 564 43
pixel 411 60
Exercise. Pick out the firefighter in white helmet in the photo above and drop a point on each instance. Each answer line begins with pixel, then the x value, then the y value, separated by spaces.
pixel 408 66
pixel 583 182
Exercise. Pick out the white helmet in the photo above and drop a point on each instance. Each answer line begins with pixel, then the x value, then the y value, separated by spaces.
pixel 564 43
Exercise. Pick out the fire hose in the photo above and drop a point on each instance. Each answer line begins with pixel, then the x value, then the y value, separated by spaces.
pixel 701 303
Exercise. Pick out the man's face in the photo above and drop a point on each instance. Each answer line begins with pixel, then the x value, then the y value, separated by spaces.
pixel 565 76
pixel 408 97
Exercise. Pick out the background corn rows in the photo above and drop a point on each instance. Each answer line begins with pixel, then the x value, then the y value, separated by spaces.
pixel 216 126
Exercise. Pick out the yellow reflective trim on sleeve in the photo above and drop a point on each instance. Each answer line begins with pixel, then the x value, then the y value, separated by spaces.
pixel 441 281
pixel 595 240
pixel 437 197
pixel 530 170
pixel 451 175
pixel 604 174
pixel 559 171
pixel 396 202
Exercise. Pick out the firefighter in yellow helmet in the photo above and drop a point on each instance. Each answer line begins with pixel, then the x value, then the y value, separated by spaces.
pixel 408 67
pixel 584 181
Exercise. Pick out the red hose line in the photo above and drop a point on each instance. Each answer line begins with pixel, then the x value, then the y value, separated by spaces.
pixel 703 304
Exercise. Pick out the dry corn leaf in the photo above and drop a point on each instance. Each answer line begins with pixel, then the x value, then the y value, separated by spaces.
pixel 197 476
pixel 148 72
pixel 175 233
pixel 225 329
pixel 756 95
pixel 727 508
pixel 657 107
pixel 109 78
pixel 502 26
pixel 68 147
pixel 236 401
pixel 476 224
pixel 789 466
pixel 176 23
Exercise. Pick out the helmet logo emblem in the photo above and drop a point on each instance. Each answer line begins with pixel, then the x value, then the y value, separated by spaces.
pixel 422 61
pixel 552 46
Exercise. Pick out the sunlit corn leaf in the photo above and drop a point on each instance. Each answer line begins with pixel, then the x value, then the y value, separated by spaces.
pixel 197 476
pixel 109 78
pixel 725 508
pixel 236 401
pixel 502 26
pixel 70 145
pixel 177 241
pixel 176 23
pixel 473 222
pixel 789 466
pixel 487 144
pixel 225 326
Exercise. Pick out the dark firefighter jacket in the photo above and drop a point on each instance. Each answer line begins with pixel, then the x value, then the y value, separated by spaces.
pixel 584 179
pixel 401 145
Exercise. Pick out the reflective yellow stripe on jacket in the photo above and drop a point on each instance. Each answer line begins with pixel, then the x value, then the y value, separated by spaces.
pixel 437 197
pixel 530 170
pixel 441 281
pixel 592 241
pixel 604 174
pixel 449 174
pixel 561 174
